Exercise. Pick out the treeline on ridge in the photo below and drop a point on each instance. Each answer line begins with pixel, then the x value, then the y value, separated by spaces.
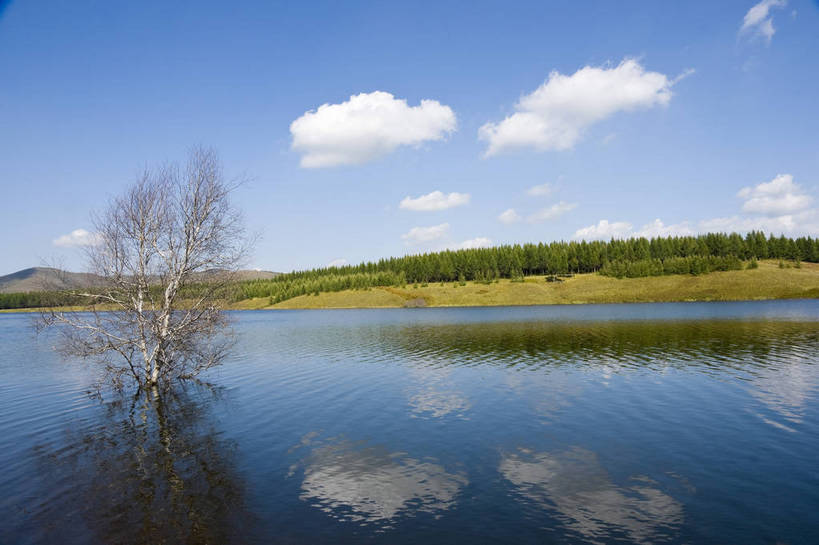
pixel 635 257
pixel 55 298
pixel 629 257
pixel 38 299
pixel 694 264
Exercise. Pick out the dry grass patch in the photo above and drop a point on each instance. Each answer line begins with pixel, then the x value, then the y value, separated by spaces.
pixel 373 298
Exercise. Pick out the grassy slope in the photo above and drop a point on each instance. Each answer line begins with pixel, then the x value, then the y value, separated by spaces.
pixel 766 282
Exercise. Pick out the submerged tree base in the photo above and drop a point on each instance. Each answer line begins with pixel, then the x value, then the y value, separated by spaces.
pixel 155 470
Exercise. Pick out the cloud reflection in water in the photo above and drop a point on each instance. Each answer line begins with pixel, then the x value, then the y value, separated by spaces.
pixel 435 397
pixel 577 488
pixel 369 485
pixel 786 389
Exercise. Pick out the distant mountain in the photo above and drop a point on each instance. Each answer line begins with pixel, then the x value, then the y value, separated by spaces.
pixel 47 278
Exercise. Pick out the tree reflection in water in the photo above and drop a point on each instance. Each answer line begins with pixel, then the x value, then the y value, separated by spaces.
pixel 154 470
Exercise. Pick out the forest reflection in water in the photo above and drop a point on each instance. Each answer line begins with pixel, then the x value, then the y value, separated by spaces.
pixel 774 359
pixel 721 345
pixel 153 469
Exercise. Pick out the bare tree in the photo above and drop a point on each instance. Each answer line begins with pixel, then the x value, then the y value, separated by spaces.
pixel 165 251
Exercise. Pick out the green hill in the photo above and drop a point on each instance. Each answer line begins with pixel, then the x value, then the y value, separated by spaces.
pixel 768 281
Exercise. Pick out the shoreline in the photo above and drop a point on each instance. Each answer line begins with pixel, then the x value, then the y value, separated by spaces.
pixel 768 282
pixel 508 305
pixel 526 305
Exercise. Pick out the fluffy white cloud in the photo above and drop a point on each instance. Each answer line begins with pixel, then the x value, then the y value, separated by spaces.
pixel 422 235
pixel 554 116
pixel 478 242
pixel 338 263
pixel 77 238
pixel 605 230
pixel 623 229
pixel 434 201
pixel 509 216
pixel 777 207
pixel 540 190
pixel 437 237
pixel 367 126
pixel 778 197
pixel 758 20
pixel 552 212
pixel 803 223
pixel 658 229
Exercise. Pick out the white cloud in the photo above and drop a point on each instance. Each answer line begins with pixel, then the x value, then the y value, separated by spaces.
pixel 778 197
pixel 604 230
pixel 623 229
pixel 769 200
pixel 552 212
pixel 421 235
pixel 803 223
pixel 658 229
pixel 366 127
pixel 77 238
pixel 540 190
pixel 509 216
pixel 338 263
pixel 777 207
pixel 758 20
pixel 434 201
pixel 478 242
pixel 437 238
pixel 555 115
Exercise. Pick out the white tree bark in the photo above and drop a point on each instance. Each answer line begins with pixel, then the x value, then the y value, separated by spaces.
pixel 155 319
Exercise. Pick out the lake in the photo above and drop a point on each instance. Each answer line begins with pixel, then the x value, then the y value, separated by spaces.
pixel 652 423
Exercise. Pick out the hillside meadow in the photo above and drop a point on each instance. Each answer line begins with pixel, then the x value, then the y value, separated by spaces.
pixel 769 281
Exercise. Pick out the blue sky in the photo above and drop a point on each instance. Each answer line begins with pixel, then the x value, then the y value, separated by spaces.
pixel 631 118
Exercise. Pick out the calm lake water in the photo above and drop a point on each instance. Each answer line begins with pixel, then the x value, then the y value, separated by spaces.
pixel 662 423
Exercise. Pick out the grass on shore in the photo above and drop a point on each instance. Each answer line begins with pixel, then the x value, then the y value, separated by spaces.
pixel 766 282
